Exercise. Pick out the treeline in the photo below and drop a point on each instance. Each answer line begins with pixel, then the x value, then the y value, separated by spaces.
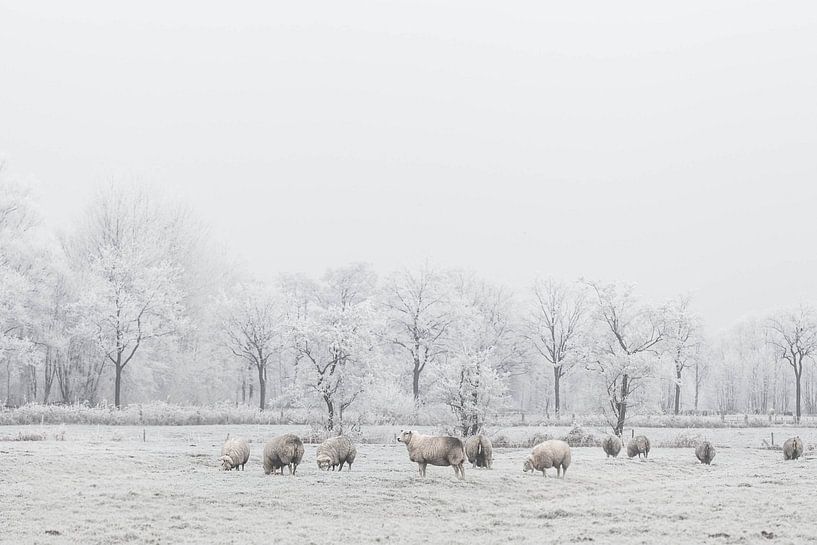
pixel 137 302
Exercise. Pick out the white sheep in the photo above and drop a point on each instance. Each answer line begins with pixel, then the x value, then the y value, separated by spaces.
pixel 480 451
pixel 334 452
pixel 705 452
pixel 283 451
pixel 434 450
pixel 638 446
pixel 611 445
pixel 552 453
pixel 234 453
pixel 793 448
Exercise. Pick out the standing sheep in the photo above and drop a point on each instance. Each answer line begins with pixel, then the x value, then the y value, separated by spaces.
pixel 793 448
pixel 611 445
pixel 553 453
pixel 437 451
pixel 480 451
pixel 638 445
pixel 234 453
pixel 705 452
pixel 334 452
pixel 283 451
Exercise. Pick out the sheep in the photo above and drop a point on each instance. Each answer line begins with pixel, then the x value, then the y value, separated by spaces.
pixel 638 445
pixel 705 452
pixel 434 450
pixel 283 451
pixel 553 453
pixel 479 451
pixel 234 453
pixel 793 448
pixel 611 445
pixel 334 452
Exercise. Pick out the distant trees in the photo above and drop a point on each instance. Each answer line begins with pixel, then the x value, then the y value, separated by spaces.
pixel 125 250
pixel 133 295
pixel 684 345
pixel 627 345
pixel 555 328
pixel 794 336
pixel 418 318
pixel 253 329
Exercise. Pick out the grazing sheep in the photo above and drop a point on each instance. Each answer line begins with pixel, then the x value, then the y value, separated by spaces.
pixel 480 451
pixel 283 451
pixel 552 453
pixel 793 448
pixel 611 445
pixel 334 452
pixel 638 445
pixel 434 450
pixel 234 453
pixel 705 452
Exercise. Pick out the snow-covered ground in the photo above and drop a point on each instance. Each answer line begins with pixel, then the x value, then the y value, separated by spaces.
pixel 105 485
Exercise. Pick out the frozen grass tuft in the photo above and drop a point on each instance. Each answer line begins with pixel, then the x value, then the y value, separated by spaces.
pixel 24 436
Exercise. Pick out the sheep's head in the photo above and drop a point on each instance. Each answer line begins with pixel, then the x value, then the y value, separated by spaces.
pixel 528 465
pixel 405 437
pixel 324 462
pixel 226 463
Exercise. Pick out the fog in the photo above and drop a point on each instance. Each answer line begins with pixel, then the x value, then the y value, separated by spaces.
pixel 672 146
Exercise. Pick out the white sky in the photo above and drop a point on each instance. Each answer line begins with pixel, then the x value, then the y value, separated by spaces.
pixel 672 146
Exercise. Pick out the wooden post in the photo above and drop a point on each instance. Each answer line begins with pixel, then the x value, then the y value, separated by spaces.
pixel 772 438
pixel 144 435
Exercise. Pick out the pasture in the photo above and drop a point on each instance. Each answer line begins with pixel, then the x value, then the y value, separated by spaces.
pixel 104 485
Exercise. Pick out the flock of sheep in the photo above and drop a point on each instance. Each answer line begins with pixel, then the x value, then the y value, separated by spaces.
pixel 288 450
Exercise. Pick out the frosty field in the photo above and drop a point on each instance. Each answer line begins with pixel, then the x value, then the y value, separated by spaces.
pixel 104 485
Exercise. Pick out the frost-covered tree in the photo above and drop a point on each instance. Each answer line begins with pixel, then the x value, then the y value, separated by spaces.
pixel 683 343
pixel 23 277
pixel 418 316
pixel 555 327
pixel 485 349
pixel 253 328
pixel 794 336
pixel 627 346
pixel 335 339
pixel 127 249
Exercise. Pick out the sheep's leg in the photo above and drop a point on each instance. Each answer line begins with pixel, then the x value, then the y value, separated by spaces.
pixel 544 474
pixel 564 472
pixel 462 471
pixel 340 468
pixel 558 471
pixel 422 469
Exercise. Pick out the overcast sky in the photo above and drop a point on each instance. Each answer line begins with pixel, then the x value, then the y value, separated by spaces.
pixel 671 146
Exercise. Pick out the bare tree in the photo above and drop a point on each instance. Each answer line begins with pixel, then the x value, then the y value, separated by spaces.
pixel 253 331
pixel 794 335
pixel 418 318
pixel 627 350
pixel 554 329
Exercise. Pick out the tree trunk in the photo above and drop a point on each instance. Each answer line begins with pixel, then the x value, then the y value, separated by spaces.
pixel 622 406
pixel 330 408
pixel 262 387
pixel 117 385
pixel 677 390
pixel 415 385
pixel 557 376
pixel 697 385
pixel 797 375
